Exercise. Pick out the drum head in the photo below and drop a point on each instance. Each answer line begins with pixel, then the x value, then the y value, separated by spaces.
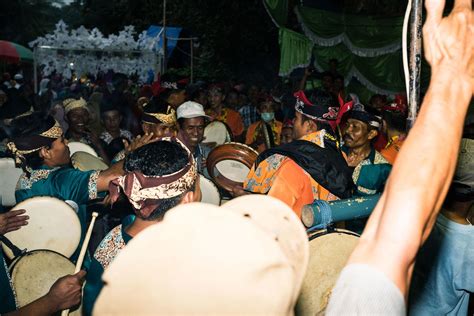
pixel 10 175
pixel 230 163
pixel 53 225
pixel 329 253
pixel 35 272
pixel 217 133
pixel 210 193
pixel 78 146
pixel 85 162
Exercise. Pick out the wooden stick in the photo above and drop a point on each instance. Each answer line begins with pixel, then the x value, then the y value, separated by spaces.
pixel 82 254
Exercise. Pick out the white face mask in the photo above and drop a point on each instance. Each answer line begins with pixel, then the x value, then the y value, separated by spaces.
pixel 267 116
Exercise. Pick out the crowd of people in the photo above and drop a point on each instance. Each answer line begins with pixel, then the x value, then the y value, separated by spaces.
pixel 169 254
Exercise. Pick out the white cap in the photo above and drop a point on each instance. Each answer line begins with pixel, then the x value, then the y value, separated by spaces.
pixel 247 257
pixel 190 109
pixel 18 77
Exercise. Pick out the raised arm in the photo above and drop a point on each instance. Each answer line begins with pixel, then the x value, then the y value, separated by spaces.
pixel 405 214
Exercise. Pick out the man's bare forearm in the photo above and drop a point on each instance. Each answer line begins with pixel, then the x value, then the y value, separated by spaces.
pixel 419 181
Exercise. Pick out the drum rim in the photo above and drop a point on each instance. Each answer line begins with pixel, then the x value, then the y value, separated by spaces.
pixel 325 231
pixel 228 129
pixel 220 180
pixel 90 155
pixel 211 182
pixel 20 205
pixel 15 260
pixel 85 146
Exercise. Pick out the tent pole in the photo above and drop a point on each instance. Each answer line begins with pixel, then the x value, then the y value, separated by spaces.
pixel 192 61
pixel 415 61
pixel 35 72
pixel 164 36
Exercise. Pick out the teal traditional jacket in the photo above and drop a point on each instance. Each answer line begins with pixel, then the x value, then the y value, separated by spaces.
pixel 64 183
pixel 371 174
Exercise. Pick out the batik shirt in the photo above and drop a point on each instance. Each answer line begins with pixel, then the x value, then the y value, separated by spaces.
pixel 281 177
pixel 256 128
pixel 107 138
pixel 105 253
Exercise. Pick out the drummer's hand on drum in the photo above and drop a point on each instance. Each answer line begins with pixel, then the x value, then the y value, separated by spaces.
pixel 66 292
pixel 12 220
pixel 238 190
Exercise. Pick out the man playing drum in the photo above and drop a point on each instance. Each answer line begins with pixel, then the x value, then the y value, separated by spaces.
pixel 42 152
pixel 309 168
pixel 65 292
pixel 158 177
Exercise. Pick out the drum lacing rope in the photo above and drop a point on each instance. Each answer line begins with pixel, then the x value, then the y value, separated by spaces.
pixel 326 215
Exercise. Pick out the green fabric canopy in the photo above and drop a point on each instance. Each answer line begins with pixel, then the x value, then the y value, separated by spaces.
pixel 295 51
pixel 368 48
pixel 364 36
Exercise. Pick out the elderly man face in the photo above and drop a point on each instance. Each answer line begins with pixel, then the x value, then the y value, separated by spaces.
pixel 358 133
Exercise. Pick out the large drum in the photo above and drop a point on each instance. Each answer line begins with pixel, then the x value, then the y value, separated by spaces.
pixel 10 175
pixel 78 146
pixel 35 272
pixel 53 225
pixel 329 252
pixel 217 133
pixel 210 193
pixel 85 161
pixel 230 163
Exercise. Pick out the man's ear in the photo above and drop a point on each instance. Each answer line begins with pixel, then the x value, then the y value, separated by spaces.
pixel 188 197
pixel 311 126
pixel 372 134
pixel 44 153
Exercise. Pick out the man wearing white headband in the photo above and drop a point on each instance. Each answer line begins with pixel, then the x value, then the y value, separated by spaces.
pixel 158 176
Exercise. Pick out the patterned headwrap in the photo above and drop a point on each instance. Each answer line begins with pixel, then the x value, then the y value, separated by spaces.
pixel 70 105
pixel 146 192
pixel 23 145
pixel 168 118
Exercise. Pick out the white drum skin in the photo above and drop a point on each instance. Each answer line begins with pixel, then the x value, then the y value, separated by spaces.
pixel 329 252
pixel 84 161
pixel 78 146
pixel 35 272
pixel 53 225
pixel 210 192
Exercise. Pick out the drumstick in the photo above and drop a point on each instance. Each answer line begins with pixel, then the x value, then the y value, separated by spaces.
pixel 82 254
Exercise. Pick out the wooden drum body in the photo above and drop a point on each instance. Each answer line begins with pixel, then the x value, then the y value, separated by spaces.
pixel 230 163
